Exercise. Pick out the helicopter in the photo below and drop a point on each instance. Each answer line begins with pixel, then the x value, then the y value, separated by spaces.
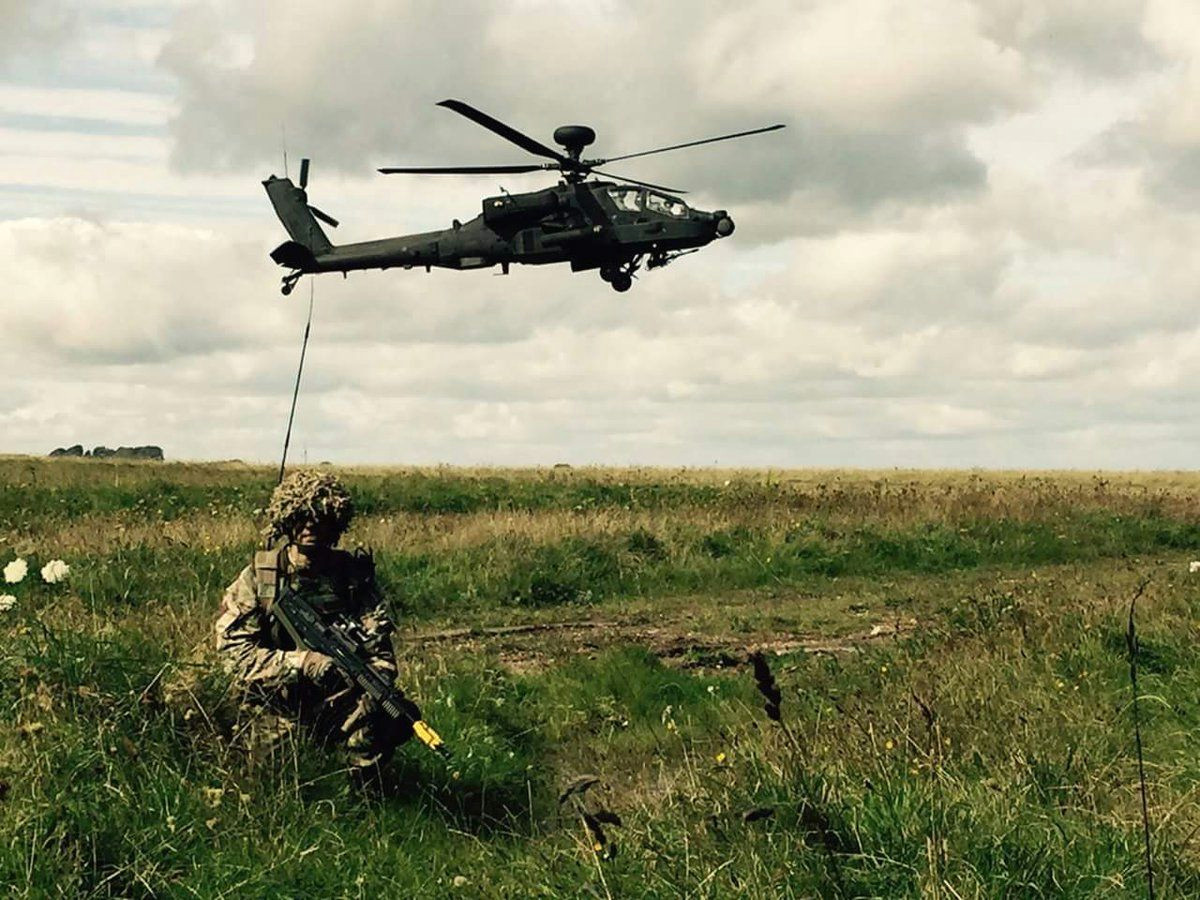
pixel 615 226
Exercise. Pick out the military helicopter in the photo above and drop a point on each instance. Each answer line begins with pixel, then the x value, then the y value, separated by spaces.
pixel 614 226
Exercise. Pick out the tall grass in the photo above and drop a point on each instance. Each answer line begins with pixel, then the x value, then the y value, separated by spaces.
pixel 985 752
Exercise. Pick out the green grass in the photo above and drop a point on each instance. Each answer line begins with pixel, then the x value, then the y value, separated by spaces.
pixel 985 751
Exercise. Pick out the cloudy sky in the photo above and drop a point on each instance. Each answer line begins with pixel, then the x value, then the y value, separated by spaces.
pixel 975 244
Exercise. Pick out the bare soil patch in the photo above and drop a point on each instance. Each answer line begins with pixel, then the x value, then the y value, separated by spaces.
pixel 531 647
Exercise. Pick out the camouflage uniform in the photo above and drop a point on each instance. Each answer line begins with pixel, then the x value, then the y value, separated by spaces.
pixel 269 670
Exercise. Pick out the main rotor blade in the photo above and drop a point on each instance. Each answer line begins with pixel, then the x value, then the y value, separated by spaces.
pixel 724 137
pixel 463 170
pixel 507 132
pixel 327 219
pixel 646 184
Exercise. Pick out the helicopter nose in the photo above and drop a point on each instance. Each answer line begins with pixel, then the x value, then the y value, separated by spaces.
pixel 724 224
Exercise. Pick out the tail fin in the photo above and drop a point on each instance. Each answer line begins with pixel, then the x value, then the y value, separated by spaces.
pixel 291 205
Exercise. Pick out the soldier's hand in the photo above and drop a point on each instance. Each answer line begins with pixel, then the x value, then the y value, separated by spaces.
pixel 385 667
pixel 358 716
pixel 316 667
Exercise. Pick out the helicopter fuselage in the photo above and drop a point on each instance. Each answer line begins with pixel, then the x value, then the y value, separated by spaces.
pixel 589 224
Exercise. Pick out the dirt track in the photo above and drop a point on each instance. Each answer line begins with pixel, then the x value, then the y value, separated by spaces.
pixel 530 647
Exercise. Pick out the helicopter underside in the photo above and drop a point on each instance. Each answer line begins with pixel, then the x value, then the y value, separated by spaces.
pixel 616 250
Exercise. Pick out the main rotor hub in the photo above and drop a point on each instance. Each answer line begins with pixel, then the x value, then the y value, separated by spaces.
pixel 574 138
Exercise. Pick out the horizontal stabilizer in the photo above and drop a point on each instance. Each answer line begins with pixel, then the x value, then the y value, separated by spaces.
pixel 294 255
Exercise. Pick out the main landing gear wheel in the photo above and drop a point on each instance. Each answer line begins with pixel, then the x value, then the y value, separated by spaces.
pixel 619 276
pixel 289 283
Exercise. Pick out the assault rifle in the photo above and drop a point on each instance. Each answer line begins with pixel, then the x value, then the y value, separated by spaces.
pixel 345 641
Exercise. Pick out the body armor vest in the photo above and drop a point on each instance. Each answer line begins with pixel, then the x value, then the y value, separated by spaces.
pixel 329 593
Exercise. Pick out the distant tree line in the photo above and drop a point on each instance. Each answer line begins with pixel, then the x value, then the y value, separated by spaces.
pixel 148 451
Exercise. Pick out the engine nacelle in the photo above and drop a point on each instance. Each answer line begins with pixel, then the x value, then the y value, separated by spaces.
pixel 509 207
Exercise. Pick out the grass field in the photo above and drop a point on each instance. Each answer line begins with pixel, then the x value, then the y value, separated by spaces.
pixel 949 646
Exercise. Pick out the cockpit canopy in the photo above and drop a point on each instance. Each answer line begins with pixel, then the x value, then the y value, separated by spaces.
pixel 637 200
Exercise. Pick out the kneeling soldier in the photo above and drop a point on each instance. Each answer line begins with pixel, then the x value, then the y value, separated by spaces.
pixel 282 682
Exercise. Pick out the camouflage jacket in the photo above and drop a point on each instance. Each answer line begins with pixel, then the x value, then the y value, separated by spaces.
pixel 255 648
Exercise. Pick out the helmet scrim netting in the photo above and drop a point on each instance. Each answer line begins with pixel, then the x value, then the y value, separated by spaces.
pixel 308 497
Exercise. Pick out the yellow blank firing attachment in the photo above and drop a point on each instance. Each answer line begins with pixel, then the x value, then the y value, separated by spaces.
pixel 429 738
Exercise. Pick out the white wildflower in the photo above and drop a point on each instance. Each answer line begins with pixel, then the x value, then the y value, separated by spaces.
pixel 1193 566
pixel 7 602
pixel 15 570
pixel 55 571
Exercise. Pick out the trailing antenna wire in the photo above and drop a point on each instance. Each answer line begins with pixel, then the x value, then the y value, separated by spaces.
pixel 1131 642
pixel 287 439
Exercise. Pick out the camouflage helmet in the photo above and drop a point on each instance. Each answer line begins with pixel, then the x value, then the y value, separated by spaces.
pixel 308 497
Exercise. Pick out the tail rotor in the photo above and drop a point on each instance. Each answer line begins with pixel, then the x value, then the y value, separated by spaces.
pixel 303 223
pixel 324 217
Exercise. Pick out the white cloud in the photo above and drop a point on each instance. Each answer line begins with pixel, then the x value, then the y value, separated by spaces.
pixel 1095 38
pixel 862 65
pixel 1161 140
pixel 125 107
pixel 864 87
pixel 88 292
pixel 28 26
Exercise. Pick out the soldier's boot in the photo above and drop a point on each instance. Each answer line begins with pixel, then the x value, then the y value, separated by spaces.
pixel 368 780
pixel 265 738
